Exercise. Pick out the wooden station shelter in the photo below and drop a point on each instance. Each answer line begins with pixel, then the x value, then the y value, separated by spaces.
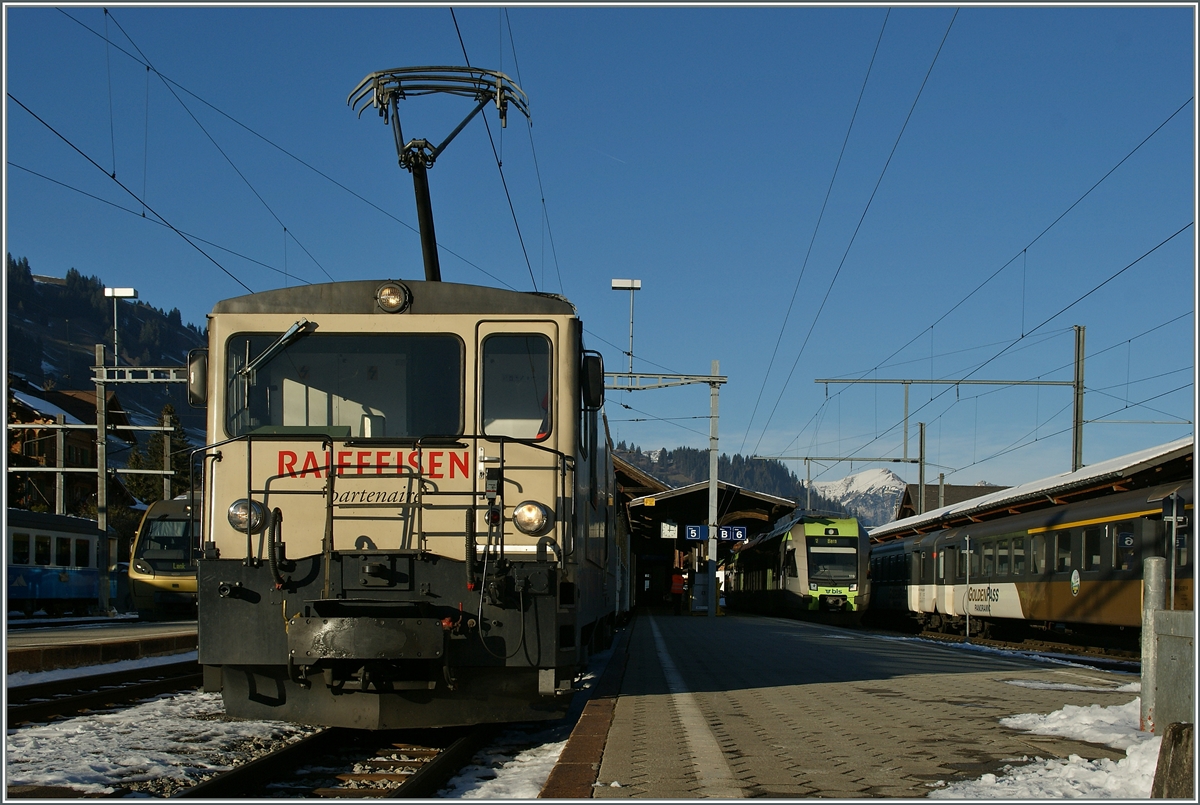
pixel 656 515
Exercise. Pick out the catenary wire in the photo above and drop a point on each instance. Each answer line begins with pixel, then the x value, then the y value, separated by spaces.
pixel 858 227
pixel 151 220
pixel 285 152
pixel 816 227
pixel 222 152
pixel 130 192
pixel 499 164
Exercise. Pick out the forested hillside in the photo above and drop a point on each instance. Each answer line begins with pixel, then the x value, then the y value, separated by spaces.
pixel 687 465
pixel 54 324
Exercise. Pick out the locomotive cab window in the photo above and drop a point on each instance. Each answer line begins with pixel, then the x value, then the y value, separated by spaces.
pixel 516 386
pixel 358 386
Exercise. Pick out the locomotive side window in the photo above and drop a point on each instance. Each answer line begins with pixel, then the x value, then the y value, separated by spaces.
pixel 1002 558
pixel 1091 548
pixel 1018 556
pixel 20 549
pixel 941 563
pixel 516 386
pixel 41 550
pixel 1062 552
pixel 363 386
pixel 790 564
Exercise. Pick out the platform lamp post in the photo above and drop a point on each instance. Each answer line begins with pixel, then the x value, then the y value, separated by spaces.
pixel 631 286
pixel 118 293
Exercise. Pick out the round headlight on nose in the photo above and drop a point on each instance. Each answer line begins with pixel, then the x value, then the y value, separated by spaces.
pixel 393 297
pixel 532 517
pixel 247 513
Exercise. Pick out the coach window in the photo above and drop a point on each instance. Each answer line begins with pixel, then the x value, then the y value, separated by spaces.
pixel 516 386
pixel 989 559
pixel 62 551
pixel 918 574
pixel 1002 558
pixel 962 561
pixel 1018 556
pixel 1037 554
pixel 940 561
pixel 20 549
pixel 1091 548
pixel 1062 552
pixel 1126 547
pixel 41 550
pixel 1183 556
pixel 83 557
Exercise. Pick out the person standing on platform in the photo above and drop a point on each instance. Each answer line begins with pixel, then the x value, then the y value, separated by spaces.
pixel 677 589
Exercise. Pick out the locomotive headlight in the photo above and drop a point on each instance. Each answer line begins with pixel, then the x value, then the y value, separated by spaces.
pixel 247 511
pixel 533 518
pixel 143 568
pixel 392 297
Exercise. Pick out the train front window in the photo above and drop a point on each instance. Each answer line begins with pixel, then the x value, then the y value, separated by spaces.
pixel 350 386
pixel 832 559
pixel 516 386
pixel 166 546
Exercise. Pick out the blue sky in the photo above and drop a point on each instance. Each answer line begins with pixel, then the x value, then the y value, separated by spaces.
pixel 691 148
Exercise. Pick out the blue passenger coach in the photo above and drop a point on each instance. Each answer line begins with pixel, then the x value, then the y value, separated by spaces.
pixel 52 563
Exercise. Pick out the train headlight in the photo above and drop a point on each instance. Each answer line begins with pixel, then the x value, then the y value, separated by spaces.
pixel 250 512
pixel 533 518
pixel 812 587
pixel 143 568
pixel 392 297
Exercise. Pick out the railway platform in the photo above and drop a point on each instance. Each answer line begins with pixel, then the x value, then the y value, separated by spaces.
pixel 50 648
pixel 740 706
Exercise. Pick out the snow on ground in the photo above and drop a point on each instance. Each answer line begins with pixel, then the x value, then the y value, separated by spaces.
pixel 1076 777
pixel 517 763
pixel 190 739
pixel 181 738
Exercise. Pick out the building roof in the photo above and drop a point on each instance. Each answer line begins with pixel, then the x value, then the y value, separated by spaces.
pixel 1156 465
pixel 949 493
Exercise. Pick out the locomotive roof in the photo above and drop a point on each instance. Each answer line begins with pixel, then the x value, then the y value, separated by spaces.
pixel 358 296
pixel 1156 465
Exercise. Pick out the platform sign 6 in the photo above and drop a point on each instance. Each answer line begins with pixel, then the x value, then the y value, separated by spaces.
pixel 735 533
pixel 697 532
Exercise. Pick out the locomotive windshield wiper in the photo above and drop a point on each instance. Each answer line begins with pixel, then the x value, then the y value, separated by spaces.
pixel 293 334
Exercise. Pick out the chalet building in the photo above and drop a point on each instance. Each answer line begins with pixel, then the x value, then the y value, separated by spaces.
pixel 949 494
pixel 38 447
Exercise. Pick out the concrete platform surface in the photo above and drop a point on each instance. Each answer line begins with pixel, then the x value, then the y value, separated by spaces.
pixel 55 647
pixel 743 706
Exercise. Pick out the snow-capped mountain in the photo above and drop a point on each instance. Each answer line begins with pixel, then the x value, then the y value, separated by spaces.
pixel 872 495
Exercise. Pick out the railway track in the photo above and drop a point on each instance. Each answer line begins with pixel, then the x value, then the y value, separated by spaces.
pixel 1095 657
pixel 69 697
pixel 344 763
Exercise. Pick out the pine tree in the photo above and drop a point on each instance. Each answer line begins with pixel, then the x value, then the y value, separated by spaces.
pixel 149 488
